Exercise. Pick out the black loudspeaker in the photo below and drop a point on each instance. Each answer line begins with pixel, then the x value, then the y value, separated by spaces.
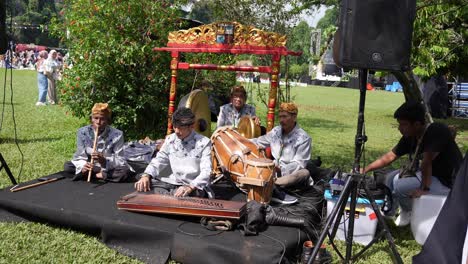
pixel 375 34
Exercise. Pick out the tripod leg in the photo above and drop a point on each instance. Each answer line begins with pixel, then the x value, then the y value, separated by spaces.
pixel 7 170
pixel 388 235
pixel 352 212
pixel 343 199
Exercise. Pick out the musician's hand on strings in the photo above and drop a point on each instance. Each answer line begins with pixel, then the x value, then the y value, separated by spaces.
pixel 184 190
pixel 99 157
pixel 143 185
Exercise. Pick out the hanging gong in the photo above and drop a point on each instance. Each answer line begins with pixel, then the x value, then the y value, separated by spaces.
pixel 248 128
pixel 197 101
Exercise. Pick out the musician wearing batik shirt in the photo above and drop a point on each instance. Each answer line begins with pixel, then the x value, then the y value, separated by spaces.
pixel 108 159
pixel 182 166
pixel 230 114
pixel 291 148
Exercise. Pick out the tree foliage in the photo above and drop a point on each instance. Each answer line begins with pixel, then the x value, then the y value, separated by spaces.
pixel 110 43
pixel 439 38
pixel 30 21
pixel 111 46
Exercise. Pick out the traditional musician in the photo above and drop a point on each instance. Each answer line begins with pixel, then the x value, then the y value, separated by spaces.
pixel 291 149
pixel 434 159
pixel 108 161
pixel 182 166
pixel 230 114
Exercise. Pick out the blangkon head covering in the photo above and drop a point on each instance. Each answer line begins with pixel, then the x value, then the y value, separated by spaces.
pixel 102 108
pixel 289 107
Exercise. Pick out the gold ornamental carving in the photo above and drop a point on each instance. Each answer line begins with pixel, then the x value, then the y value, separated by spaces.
pixel 227 33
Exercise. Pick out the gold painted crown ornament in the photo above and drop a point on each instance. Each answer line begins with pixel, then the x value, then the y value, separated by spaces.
pixel 226 33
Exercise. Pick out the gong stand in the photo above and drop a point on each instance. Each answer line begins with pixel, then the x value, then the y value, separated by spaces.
pixel 226 38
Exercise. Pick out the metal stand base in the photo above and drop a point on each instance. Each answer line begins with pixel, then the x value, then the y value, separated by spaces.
pixel 4 165
pixel 353 183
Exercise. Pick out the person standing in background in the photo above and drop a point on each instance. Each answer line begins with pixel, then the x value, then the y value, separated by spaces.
pixel 41 78
pixel 52 69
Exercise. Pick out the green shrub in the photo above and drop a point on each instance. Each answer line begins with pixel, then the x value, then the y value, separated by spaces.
pixel 110 45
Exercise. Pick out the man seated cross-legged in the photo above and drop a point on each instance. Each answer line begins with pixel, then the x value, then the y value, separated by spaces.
pixel 291 148
pixel 108 160
pixel 182 166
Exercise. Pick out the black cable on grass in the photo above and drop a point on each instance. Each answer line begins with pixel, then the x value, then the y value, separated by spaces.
pixel 10 59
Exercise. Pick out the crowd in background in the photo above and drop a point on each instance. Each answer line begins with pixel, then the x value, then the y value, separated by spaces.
pixel 25 59
pixel 48 65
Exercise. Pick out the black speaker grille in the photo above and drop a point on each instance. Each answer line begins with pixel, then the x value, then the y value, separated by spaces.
pixel 375 34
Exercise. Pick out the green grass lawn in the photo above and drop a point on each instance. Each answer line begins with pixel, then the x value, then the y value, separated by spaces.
pixel 46 137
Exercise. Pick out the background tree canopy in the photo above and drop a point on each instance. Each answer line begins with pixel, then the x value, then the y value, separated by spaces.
pixel 110 43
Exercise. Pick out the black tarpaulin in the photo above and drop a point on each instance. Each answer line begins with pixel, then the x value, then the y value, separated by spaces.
pixel 91 208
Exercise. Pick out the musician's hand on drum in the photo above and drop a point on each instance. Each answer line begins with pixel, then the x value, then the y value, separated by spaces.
pixel 143 185
pixel 184 190
pixel 256 120
pixel 99 157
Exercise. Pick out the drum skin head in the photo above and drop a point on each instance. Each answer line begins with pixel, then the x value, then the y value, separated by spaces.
pixel 197 101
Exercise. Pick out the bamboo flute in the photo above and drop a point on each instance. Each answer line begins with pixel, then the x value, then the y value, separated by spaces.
pixel 96 134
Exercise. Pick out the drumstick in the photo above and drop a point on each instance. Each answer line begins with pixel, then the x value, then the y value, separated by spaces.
pixel 36 184
pixel 96 133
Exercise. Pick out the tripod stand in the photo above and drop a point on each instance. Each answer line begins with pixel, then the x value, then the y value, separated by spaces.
pixel 3 164
pixel 350 189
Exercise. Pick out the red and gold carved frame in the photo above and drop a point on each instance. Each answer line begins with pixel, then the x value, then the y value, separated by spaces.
pixel 227 37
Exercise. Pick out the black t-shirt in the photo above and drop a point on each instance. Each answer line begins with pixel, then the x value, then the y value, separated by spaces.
pixel 437 138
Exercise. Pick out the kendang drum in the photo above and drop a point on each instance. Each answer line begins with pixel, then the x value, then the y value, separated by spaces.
pixel 244 161
pixel 231 150
pixel 260 178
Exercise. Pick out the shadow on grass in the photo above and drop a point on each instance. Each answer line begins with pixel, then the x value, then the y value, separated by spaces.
pixel 8 103
pixel 307 122
pixel 31 140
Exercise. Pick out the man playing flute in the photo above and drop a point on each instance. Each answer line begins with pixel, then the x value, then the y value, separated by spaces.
pixel 108 160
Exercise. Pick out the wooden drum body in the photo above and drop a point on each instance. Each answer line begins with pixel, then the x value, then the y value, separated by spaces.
pixel 244 161
pixel 260 178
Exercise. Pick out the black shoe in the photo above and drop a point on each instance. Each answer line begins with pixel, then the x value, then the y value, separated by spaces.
pixel 279 196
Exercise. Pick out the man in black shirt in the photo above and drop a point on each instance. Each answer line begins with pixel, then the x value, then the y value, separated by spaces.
pixel 434 151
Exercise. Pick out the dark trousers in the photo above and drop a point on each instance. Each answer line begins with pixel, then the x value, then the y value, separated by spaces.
pixel 118 174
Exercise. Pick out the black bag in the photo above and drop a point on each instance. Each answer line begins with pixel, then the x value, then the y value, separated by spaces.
pixel 254 219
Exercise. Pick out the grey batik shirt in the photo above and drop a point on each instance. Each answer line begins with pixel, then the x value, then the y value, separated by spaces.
pixel 110 143
pixel 229 116
pixel 291 151
pixel 183 161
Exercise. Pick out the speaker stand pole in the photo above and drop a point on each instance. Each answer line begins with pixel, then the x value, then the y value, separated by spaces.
pixel 7 169
pixel 350 189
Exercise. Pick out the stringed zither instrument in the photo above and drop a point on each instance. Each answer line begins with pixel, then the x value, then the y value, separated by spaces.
pixel 194 206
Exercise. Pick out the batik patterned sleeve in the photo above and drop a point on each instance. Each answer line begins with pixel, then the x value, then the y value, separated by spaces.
pixel 263 141
pixel 80 157
pixel 116 157
pixel 301 156
pixel 222 117
pixel 161 161
pixel 203 179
